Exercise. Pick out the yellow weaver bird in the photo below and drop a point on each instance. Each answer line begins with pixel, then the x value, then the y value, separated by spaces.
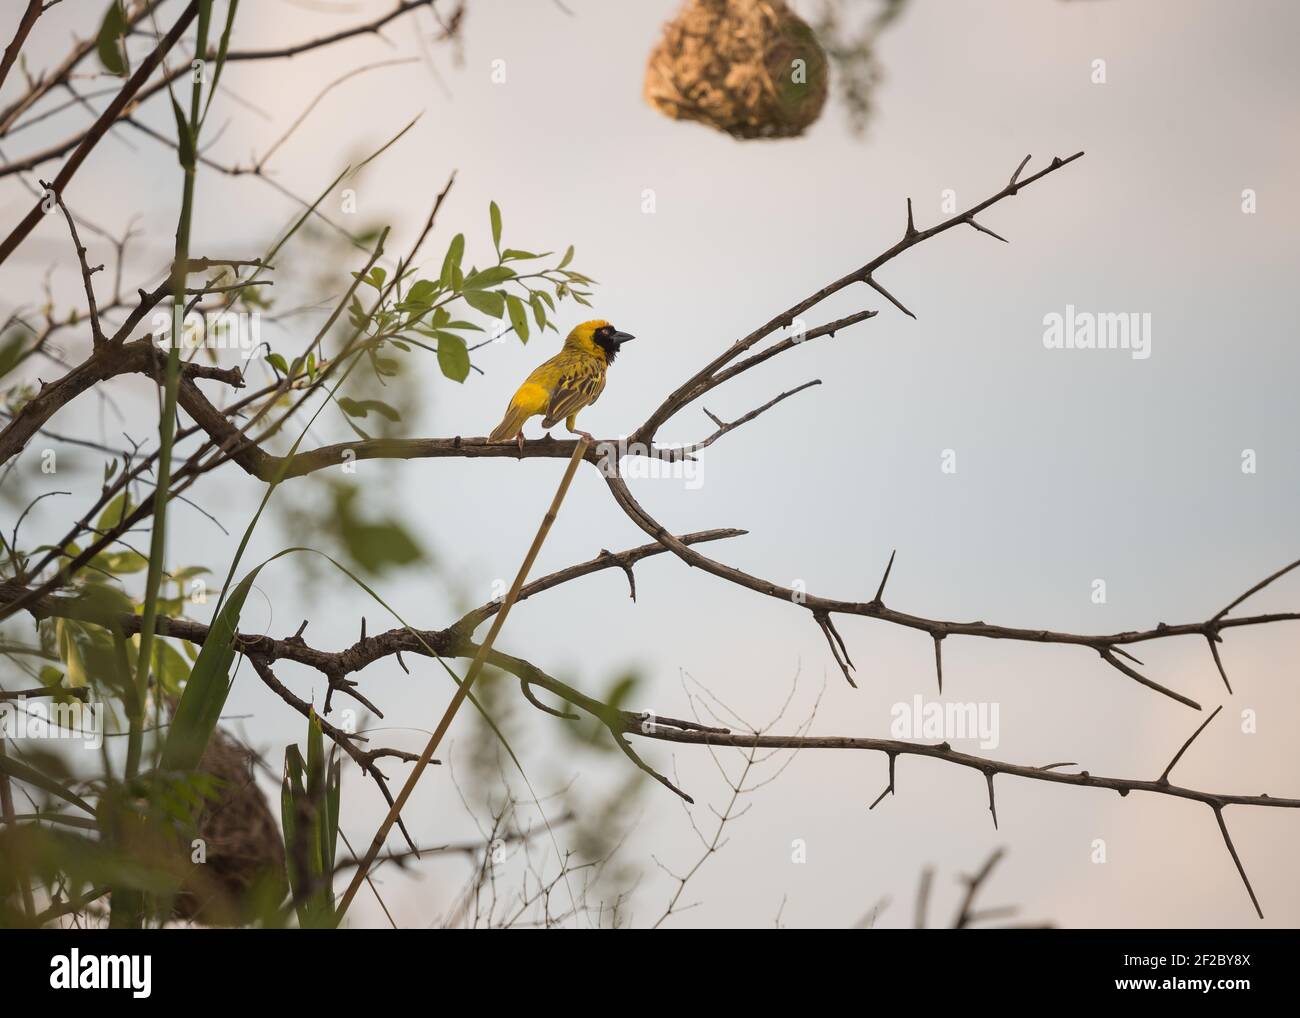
pixel 574 378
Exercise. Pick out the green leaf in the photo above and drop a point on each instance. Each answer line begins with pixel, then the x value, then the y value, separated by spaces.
pixel 518 316
pixel 453 357
pixel 422 292
pixel 120 563
pixel 169 668
pixel 357 316
pixel 568 257
pixel 278 362
pixel 451 263
pixel 363 407
pixel 184 138
pixel 171 605
pixel 378 546
pixel 490 302
pixel 620 691
pixel 189 572
pixel 114 513
pixel 489 277
pixel 494 213
pixel 10 354
pixel 97 599
pixel 512 254
pixel 539 312
pixel 71 639
pixel 109 43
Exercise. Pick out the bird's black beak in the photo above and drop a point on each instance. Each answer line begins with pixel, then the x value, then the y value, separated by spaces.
pixel 621 337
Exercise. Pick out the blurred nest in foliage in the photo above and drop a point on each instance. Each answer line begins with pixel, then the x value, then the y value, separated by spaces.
pixel 244 868
pixel 751 68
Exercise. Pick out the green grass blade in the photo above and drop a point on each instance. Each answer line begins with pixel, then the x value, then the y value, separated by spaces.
pixel 205 693
pixel 20 771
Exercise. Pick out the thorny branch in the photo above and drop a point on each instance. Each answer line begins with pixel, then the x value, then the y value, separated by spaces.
pixel 114 356
pixel 453 642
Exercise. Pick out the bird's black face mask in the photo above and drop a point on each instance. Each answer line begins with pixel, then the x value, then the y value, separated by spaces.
pixel 610 339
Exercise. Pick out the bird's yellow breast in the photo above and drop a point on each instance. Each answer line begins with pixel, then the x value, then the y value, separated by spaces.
pixel 532 396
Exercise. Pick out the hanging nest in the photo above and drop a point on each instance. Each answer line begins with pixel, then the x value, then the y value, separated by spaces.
pixel 751 68
pixel 244 869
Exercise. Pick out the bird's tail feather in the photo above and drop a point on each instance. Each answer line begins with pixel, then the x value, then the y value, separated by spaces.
pixel 510 424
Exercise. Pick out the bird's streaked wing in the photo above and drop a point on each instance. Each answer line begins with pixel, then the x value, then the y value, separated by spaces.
pixel 577 387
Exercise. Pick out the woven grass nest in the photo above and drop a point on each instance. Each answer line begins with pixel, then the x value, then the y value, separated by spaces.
pixel 751 68
pixel 245 856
